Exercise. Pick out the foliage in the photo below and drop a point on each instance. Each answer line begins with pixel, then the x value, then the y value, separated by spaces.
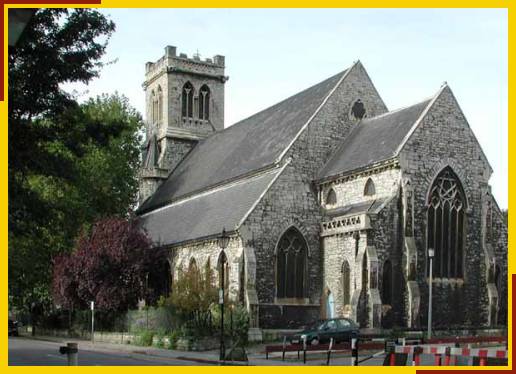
pixel 109 266
pixel 145 338
pixel 59 152
pixel 192 295
pixel 193 292
pixel 236 322
pixel 173 338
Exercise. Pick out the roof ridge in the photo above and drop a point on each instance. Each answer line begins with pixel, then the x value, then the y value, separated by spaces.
pixel 283 101
pixel 398 109
pixel 213 189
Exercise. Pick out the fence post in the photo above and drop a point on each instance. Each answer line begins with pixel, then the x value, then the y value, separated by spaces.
pixel 354 352
pixel 416 356
pixel 304 350
pixel 329 351
pixel 284 347
pixel 447 356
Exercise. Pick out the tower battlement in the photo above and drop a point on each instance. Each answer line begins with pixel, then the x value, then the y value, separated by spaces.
pixel 172 61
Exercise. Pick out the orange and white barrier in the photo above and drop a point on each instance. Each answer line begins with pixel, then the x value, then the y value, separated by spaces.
pixel 448 352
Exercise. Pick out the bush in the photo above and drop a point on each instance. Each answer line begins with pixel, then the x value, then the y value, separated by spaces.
pixel 238 331
pixel 145 338
pixel 160 336
pixel 172 338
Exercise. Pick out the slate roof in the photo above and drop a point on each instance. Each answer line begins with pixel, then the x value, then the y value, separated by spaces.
pixel 206 214
pixel 358 208
pixel 373 140
pixel 249 145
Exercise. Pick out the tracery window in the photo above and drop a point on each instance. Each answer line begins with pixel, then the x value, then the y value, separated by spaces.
pixel 346 283
pixel 204 103
pixel 187 100
pixel 153 107
pixel 445 228
pixel 160 104
pixel 369 189
pixel 331 197
pixel 291 265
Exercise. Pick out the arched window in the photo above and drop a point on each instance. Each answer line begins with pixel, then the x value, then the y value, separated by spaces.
pixel 331 197
pixel 365 273
pixel 346 283
pixel 387 283
pixel 153 108
pixel 187 100
pixel 204 103
pixel 223 270
pixel 160 104
pixel 290 266
pixel 445 228
pixel 369 189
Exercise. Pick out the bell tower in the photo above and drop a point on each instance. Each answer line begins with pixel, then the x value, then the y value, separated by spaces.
pixel 184 103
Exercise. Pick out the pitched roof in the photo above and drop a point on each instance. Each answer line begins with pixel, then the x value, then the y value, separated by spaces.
pixel 373 140
pixel 206 214
pixel 249 145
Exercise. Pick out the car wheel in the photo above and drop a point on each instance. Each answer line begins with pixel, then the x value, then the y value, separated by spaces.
pixel 314 341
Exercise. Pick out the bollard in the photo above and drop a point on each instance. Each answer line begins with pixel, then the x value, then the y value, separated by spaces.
pixel 72 352
pixel 304 350
pixel 329 352
pixel 354 352
pixel 284 347
pixel 416 356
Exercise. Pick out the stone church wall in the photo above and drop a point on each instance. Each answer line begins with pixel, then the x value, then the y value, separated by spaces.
pixel 292 200
pixel 289 202
pixel 352 191
pixel 209 250
pixel 500 244
pixel 444 138
pixel 386 236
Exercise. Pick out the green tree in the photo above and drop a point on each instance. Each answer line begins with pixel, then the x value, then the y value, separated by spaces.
pixel 102 183
pixel 47 134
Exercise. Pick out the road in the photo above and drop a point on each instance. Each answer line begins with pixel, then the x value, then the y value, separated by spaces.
pixel 28 352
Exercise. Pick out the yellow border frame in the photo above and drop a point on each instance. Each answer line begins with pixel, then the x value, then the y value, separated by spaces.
pixel 265 4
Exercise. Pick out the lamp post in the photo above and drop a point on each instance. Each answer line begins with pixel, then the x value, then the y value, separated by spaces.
pixel 223 242
pixel 430 281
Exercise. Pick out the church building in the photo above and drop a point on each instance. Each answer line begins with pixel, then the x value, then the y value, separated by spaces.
pixel 331 201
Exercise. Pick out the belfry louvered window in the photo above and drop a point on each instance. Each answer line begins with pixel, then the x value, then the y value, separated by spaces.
pixel 187 100
pixel 291 265
pixel 445 229
pixel 204 103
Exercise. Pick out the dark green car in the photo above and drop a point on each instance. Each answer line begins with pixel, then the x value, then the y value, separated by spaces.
pixel 340 329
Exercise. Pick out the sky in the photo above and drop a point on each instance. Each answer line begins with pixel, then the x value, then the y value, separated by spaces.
pixel 272 54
